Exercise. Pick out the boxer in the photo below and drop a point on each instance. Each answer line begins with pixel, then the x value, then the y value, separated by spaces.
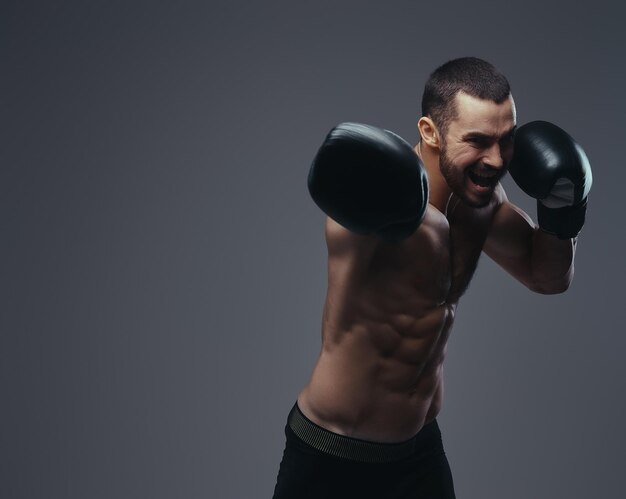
pixel 405 228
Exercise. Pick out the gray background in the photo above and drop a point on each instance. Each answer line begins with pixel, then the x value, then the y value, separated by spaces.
pixel 163 267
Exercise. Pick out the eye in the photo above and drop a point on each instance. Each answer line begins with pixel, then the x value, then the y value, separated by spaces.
pixel 511 136
pixel 507 140
pixel 477 142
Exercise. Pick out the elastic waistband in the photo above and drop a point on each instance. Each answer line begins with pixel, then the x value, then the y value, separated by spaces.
pixel 348 447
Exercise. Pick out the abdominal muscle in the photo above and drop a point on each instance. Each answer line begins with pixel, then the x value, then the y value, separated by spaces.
pixel 387 317
pixel 379 382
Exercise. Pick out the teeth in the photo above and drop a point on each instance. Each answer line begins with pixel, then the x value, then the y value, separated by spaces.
pixel 482 180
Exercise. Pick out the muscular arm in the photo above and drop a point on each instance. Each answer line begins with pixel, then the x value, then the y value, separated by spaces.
pixel 540 261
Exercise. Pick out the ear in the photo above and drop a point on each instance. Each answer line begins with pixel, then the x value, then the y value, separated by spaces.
pixel 428 132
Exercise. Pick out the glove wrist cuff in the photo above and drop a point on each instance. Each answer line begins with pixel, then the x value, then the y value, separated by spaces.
pixel 565 222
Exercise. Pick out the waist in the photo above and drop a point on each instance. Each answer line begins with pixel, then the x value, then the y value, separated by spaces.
pixel 385 406
pixel 342 446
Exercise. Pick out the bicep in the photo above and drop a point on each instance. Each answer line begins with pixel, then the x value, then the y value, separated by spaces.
pixel 509 241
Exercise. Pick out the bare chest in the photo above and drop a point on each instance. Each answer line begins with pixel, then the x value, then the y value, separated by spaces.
pixel 468 228
pixel 465 243
pixel 442 257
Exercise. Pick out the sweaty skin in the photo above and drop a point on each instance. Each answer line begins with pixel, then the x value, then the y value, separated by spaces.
pixel 390 307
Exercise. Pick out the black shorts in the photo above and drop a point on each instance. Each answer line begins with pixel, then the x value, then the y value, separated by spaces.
pixel 318 463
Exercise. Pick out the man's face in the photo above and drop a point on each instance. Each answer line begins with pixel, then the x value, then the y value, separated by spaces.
pixel 477 147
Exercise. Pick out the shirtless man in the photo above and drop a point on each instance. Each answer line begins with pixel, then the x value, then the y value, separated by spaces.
pixel 404 232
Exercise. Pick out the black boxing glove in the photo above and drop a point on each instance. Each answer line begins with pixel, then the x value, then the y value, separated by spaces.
pixel 369 180
pixel 550 166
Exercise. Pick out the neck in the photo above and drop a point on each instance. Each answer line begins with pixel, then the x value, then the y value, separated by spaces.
pixel 439 193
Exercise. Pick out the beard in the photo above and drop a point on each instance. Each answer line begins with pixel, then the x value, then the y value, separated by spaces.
pixel 458 180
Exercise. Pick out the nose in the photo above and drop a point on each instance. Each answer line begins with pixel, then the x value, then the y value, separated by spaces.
pixel 493 157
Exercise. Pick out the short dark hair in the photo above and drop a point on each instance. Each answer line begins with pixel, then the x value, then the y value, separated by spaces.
pixel 471 75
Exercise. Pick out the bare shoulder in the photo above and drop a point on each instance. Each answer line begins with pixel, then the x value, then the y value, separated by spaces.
pixel 340 240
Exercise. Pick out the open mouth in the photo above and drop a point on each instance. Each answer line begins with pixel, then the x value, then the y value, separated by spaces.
pixel 483 180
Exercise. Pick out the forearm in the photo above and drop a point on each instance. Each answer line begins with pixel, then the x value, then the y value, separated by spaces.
pixel 552 262
pixel 552 168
